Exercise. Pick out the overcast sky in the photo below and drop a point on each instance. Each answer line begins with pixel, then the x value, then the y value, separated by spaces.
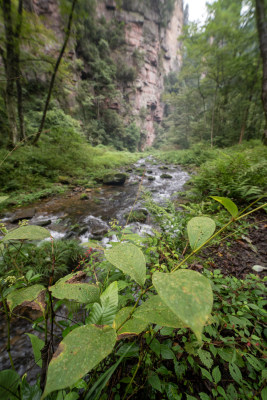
pixel 197 9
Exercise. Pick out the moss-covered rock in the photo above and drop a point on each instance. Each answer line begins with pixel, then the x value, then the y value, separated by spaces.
pixel 118 178
pixel 166 176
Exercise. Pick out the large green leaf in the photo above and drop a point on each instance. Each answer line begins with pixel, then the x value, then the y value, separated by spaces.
pixel 228 204
pixel 132 326
pixel 199 230
pixel 70 288
pixel 188 294
pixel 32 296
pixel 79 352
pixel 37 345
pixel 155 311
pixel 9 382
pixel 129 259
pixel 104 314
pixel 29 232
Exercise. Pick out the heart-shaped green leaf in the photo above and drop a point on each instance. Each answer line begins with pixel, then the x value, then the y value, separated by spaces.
pixel 29 232
pixel 79 352
pixel 188 294
pixel 32 296
pixel 129 259
pixel 228 204
pixel 199 230
pixel 155 311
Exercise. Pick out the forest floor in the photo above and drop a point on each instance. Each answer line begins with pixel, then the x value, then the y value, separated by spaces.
pixel 238 257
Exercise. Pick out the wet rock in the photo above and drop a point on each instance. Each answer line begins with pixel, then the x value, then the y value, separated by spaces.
pixel 96 227
pixel 118 178
pixel 166 176
pixel 164 167
pixel 151 178
pixel 45 222
pixel 23 214
pixel 149 171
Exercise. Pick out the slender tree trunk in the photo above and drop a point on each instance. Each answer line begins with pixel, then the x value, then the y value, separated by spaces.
pixel 10 70
pixel 17 67
pixel 262 33
pixel 51 86
pixel 213 118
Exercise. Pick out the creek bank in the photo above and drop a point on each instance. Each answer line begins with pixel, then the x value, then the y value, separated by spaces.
pixel 86 213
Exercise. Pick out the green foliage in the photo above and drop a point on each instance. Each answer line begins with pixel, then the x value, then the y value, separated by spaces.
pixel 216 96
pixel 9 382
pixel 83 349
pixel 80 292
pixel 31 293
pixel 129 259
pixel 37 345
pixel 28 232
pixel 199 230
pixel 188 295
pixel 168 352
pixel 240 176
pixel 38 259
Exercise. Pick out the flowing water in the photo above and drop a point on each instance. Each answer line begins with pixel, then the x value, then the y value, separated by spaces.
pixel 68 216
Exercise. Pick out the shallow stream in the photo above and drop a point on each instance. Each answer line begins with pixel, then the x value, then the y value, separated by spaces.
pixel 70 216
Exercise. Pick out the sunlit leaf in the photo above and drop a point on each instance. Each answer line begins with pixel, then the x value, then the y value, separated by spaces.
pixel 32 296
pixel 199 230
pixel 129 259
pixel 29 232
pixel 155 311
pixel 228 204
pixel 79 352
pixel 188 294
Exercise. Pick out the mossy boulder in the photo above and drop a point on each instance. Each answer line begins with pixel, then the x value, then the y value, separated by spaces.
pixel 166 176
pixel 118 178
pixel 163 167
pixel 151 178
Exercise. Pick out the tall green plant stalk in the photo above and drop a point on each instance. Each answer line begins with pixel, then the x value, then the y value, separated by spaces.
pixel 8 348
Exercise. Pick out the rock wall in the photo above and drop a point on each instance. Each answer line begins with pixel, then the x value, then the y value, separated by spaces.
pixel 160 48
pixel 156 44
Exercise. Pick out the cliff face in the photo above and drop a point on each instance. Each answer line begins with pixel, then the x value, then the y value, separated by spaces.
pixel 151 48
pixel 160 48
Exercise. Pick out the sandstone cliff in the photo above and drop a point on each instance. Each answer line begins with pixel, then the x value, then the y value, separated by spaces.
pixel 145 32
pixel 151 47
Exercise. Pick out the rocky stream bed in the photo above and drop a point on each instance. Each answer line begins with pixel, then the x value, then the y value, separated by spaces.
pixel 85 214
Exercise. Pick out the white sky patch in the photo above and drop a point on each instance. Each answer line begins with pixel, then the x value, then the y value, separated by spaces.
pixel 197 10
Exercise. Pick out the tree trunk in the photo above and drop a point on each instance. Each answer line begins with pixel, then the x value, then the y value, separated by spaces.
pixel 18 72
pixel 51 86
pixel 262 33
pixel 9 63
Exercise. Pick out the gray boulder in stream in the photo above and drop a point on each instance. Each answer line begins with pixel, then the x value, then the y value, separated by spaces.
pixel 115 178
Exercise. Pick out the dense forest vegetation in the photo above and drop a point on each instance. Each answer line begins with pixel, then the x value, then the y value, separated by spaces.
pixel 167 299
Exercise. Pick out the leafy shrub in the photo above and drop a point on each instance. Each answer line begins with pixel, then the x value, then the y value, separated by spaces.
pixel 39 259
pixel 240 176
